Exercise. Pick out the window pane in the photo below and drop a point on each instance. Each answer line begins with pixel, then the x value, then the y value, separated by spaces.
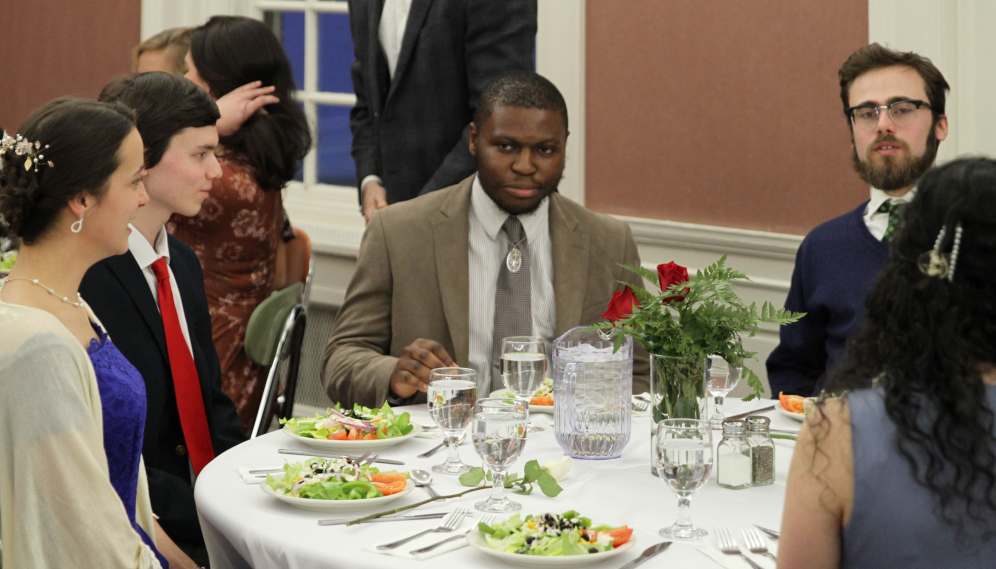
pixel 289 29
pixel 335 164
pixel 335 53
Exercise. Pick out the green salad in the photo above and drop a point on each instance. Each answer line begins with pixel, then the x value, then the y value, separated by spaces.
pixel 358 423
pixel 553 535
pixel 336 479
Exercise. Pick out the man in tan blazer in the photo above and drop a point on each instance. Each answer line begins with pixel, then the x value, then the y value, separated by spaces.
pixel 423 294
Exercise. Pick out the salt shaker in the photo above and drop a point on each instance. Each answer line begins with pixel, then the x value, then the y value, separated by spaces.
pixel 733 463
pixel 762 450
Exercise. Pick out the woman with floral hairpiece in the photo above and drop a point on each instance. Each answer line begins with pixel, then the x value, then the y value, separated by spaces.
pixel 238 231
pixel 70 182
pixel 901 472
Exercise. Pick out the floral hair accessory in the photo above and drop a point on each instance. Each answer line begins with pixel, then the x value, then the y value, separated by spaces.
pixel 24 147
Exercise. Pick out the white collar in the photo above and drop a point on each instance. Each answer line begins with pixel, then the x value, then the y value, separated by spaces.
pixel 878 197
pixel 493 217
pixel 144 253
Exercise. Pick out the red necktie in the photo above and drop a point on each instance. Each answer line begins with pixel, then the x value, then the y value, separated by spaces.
pixel 189 400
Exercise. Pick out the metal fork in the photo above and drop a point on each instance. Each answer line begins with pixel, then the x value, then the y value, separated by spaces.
pixel 755 543
pixel 488 519
pixel 639 405
pixel 449 524
pixel 729 546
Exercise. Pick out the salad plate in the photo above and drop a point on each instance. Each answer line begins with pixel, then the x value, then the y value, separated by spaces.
pixel 336 505
pixel 794 416
pixel 348 445
pixel 359 428
pixel 477 541
pixel 545 409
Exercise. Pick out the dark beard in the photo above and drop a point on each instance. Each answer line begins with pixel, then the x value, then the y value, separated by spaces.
pixel 895 175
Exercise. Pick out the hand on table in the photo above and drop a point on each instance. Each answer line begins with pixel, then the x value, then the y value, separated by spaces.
pixel 374 198
pixel 240 104
pixel 411 373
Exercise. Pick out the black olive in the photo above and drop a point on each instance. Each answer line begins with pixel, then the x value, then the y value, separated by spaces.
pixel 530 539
pixel 592 550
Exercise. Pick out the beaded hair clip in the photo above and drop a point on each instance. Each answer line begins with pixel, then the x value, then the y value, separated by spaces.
pixel 24 147
pixel 933 263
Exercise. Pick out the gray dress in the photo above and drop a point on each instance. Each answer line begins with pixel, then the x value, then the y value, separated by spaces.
pixel 894 521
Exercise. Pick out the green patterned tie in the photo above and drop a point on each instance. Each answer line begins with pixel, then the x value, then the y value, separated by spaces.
pixel 895 211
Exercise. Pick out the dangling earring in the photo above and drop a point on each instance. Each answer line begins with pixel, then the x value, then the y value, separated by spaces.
pixel 77 226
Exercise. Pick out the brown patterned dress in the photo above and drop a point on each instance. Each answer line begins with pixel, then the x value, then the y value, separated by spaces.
pixel 235 236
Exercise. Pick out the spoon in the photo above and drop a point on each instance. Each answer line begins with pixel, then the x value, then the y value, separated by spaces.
pixel 423 479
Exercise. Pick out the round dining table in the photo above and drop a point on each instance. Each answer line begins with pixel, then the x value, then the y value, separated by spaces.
pixel 245 527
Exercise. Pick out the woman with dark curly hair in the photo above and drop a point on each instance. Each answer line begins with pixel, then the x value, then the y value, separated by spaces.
pixel 73 489
pixel 237 233
pixel 901 472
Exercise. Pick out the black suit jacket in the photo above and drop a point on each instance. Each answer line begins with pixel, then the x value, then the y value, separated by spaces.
pixel 413 130
pixel 119 295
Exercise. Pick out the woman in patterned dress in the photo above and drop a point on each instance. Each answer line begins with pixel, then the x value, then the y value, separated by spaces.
pixel 238 230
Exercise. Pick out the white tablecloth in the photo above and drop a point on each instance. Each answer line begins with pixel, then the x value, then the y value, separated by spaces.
pixel 244 527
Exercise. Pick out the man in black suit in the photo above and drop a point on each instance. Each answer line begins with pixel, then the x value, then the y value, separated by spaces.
pixel 177 122
pixel 419 70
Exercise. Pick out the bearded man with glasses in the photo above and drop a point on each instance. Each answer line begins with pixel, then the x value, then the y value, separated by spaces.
pixel 894 106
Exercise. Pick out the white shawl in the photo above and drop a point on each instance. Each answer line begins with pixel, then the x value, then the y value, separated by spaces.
pixel 57 506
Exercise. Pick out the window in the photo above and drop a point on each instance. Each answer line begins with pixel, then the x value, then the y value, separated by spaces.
pixel 315 35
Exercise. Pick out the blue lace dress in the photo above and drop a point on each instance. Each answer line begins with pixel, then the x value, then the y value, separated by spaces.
pixel 122 397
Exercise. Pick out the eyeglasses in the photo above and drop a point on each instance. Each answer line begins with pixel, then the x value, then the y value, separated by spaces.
pixel 903 113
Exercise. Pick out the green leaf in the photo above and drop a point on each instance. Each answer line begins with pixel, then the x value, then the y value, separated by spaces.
pixel 548 484
pixel 485 528
pixel 533 471
pixel 473 477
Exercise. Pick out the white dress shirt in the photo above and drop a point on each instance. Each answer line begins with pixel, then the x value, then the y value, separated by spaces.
pixel 145 255
pixel 878 222
pixel 391 32
pixel 488 246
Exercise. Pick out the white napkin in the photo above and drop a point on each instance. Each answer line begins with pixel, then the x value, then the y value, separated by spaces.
pixel 426 540
pixel 257 478
pixel 711 550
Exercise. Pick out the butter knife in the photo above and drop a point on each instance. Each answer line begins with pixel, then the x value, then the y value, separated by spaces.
pixel 647 554
pixel 742 415
pixel 774 534
pixel 332 455
pixel 385 519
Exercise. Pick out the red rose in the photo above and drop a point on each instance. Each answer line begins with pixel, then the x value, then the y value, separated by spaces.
pixel 621 305
pixel 672 274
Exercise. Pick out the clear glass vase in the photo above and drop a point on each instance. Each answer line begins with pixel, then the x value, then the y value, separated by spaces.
pixel 677 391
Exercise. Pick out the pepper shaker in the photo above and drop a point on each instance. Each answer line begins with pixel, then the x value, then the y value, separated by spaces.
pixel 762 450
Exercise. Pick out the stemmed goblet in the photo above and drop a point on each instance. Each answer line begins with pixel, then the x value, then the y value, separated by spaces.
pixel 499 434
pixel 451 395
pixel 721 378
pixel 685 455
pixel 523 367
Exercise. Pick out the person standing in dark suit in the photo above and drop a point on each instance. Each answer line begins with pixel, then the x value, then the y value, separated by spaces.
pixel 152 302
pixel 418 72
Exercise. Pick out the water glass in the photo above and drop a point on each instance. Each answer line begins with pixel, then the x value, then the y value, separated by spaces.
pixel 451 396
pixel 685 461
pixel 499 434
pixel 721 378
pixel 523 367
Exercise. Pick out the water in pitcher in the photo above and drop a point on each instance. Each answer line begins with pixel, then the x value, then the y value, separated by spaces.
pixel 592 395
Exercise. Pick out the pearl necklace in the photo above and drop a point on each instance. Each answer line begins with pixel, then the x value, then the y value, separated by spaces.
pixel 50 291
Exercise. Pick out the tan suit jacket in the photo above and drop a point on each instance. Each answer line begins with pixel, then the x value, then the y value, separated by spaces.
pixel 412 281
